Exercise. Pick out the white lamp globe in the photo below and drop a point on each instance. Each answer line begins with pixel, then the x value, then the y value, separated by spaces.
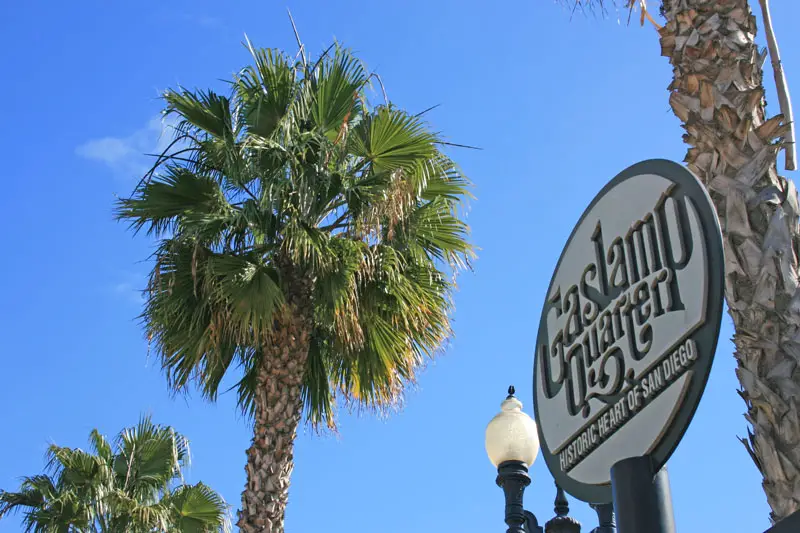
pixel 512 435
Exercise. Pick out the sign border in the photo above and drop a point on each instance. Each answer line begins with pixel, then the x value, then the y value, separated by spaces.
pixel 707 336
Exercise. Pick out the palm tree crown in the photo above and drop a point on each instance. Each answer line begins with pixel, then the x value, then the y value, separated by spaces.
pixel 131 486
pixel 294 196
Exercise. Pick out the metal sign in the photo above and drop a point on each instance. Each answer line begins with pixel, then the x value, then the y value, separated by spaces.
pixel 629 327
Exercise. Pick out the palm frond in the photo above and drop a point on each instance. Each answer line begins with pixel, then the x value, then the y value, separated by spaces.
pixel 265 90
pixel 175 196
pixel 439 178
pixel 202 111
pixel 391 138
pixel 250 289
pixel 32 494
pixel 435 229
pixel 149 458
pixel 318 396
pixel 198 509
pixel 101 446
pixel 308 246
pixel 337 85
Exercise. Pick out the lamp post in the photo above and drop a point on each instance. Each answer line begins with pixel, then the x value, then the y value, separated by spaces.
pixel 512 444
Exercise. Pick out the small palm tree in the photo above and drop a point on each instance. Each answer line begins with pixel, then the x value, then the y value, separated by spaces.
pixel 134 486
pixel 305 237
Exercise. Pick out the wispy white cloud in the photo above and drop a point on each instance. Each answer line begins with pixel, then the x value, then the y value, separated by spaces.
pixel 129 292
pixel 125 156
pixel 205 21
pixel 129 288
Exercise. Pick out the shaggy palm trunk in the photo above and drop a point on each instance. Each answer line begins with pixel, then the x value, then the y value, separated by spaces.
pixel 278 408
pixel 717 93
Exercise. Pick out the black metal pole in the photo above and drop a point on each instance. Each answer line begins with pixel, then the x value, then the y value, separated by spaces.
pixel 642 499
pixel 512 477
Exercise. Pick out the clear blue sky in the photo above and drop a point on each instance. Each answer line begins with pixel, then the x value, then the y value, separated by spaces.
pixel 559 107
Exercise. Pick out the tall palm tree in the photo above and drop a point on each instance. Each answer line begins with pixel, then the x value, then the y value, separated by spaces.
pixel 307 243
pixel 133 485
pixel 717 93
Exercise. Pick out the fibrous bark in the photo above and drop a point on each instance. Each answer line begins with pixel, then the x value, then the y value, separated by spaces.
pixel 278 409
pixel 717 93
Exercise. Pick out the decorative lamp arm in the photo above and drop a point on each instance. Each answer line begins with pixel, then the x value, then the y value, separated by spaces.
pixel 532 523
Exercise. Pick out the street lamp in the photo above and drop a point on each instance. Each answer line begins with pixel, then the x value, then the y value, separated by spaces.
pixel 512 444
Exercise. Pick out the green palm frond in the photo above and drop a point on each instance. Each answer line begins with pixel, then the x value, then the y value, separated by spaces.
pixel 175 196
pixel 265 90
pixel 392 139
pixel 101 446
pixel 439 178
pixel 203 111
pixel 317 394
pixel 47 505
pixel 337 87
pixel 149 457
pixel 33 493
pixel 308 247
pixel 198 509
pixel 249 288
pixel 250 362
pixel 435 229
pixel 85 473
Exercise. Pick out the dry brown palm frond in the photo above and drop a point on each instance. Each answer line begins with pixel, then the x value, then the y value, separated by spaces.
pixel 592 6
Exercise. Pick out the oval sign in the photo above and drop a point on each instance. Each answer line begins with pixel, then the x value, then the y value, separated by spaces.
pixel 629 327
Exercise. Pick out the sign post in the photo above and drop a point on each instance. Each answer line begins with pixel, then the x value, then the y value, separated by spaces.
pixel 626 340
pixel 643 495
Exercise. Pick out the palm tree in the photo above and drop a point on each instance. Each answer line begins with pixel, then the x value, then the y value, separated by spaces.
pixel 717 93
pixel 307 242
pixel 132 486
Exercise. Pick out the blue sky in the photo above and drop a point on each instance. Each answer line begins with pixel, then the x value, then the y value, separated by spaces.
pixel 558 105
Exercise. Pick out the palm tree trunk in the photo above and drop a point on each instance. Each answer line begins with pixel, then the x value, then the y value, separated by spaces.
pixel 278 408
pixel 717 93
